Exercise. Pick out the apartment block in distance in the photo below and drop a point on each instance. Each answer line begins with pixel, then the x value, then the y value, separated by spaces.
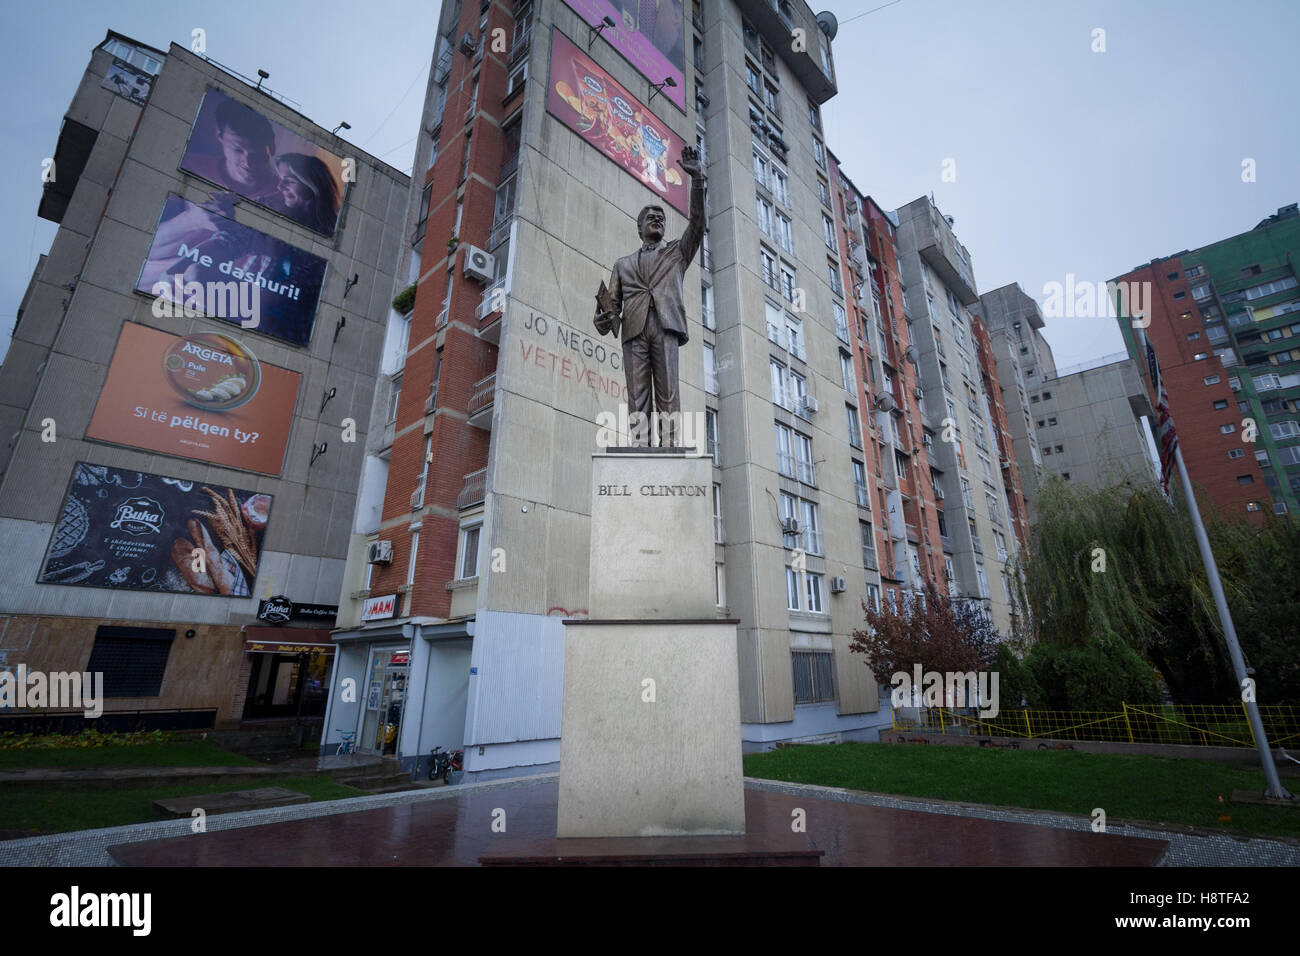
pixel 1083 424
pixel 940 292
pixel 544 134
pixel 1225 324
pixel 186 394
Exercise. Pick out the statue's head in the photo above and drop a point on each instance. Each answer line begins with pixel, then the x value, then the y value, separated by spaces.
pixel 650 223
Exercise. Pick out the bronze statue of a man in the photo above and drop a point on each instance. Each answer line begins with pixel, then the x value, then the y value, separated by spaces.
pixel 644 302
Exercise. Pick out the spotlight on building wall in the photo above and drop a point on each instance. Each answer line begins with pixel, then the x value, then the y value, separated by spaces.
pixel 343 125
pixel 262 75
pixel 317 451
pixel 343 320
pixel 593 32
pixel 347 286
pixel 659 88
pixel 328 395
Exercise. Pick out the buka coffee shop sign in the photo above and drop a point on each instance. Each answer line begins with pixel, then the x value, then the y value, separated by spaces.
pixel 280 610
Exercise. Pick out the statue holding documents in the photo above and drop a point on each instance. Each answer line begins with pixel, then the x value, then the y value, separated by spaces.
pixel 644 303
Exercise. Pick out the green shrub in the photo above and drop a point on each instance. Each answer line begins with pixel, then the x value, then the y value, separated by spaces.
pixel 1016 683
pixel 404 301
pixel 1100 675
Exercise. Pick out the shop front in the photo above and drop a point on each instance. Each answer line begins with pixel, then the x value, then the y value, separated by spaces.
pixel 289 672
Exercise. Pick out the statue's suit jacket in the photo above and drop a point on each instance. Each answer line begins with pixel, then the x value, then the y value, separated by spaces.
pixel 655 276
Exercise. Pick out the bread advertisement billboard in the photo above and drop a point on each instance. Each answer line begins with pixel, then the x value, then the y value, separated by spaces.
pixel 129 530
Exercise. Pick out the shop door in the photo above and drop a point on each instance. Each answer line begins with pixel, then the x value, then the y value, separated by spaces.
pixel 385 700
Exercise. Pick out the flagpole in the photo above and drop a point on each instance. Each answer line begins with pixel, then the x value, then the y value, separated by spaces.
pixel 1274 786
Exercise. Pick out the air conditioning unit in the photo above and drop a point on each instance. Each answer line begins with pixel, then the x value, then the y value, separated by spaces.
pixel 789 525
pixel 839 585
pixel 479 264
pixel 468 45
pixel 379 552
pixel 808 405
pixel 417 498
pixel 918 391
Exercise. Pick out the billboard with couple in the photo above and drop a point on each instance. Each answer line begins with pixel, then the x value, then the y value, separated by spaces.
pixel 243 152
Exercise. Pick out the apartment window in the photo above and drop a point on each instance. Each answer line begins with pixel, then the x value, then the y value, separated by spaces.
pixel 752 78
pixel 1180 295
pixel 717 514
pixel 860 484
pixel 518 75
pixel 1236 453
pixel 1060 449
pixel 780 391
pixel 792 598
pixel 1227 429
pixel 824 193
pixel 775 323
pixel 764 216
pixel 900 464
pixel 804 459
pixel 1221 404
pixel 819 153
pixel 720 584
pixel 846 373
pixel 784 450
pixel 1192 272
pixel 833 276
pixel 761 168
pixel 1046 395
pixel 1211 380
pixel 711 435
pixel 841 322
pixel 814 676
pixel 815 594
pixel 393 399
pixel 1051 422
pixel 983 580
pixel 132 659
pixel 710 370
pixel 828 233
pixel 1193 336
pixel 814 115
pixel 1290 455
pixel 1287 429
pixel 855 426
pixel 784 232
pixel 787 282
pixel 992 504
pixel 794 336
pixel 780 185
pixel 772 99
pixel 1245 479
pixel 469 548
pixel 1200 356
pixel 768 269
pixel 706 306
pixel 965 494
pixel 798 392
pixel 873 596
pixel 1252 506
pixel 426 198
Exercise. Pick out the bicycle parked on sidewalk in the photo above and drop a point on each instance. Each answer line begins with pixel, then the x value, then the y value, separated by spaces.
pixel 348 745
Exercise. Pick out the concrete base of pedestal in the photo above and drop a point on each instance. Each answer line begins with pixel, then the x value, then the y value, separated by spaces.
pixel 650 741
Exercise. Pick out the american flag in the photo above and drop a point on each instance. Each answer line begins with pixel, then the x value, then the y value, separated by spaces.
pixel 1164 420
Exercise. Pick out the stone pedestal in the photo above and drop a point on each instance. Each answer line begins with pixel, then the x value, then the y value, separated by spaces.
pixel 650 739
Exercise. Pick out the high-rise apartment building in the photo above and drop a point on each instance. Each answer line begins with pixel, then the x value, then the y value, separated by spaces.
pixel 1224 320
pixel 545 132
pixel 940 292
pixel 185 396
pixel 1083 425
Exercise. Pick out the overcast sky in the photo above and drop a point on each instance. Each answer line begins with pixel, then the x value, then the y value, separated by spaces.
pixel 1064 160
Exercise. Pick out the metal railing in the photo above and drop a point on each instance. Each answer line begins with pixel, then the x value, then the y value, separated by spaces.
pixel 1217 725
pixel 475 489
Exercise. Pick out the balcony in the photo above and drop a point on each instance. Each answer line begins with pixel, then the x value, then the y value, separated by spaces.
pixel 775 21
pixel 946 256
pixel 479 410
pixel 475 489
pixel 913 534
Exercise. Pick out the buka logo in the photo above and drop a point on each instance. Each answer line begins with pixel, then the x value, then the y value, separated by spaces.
pixel 138 516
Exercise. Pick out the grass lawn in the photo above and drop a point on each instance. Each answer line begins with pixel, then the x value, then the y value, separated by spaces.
pixel 1155 789
pixel 55 811
pixel 179 753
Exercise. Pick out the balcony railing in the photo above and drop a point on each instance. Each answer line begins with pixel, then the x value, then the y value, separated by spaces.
pixel 475 489
pixel 479 409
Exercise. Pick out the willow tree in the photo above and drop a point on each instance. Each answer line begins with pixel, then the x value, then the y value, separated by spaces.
pixel 1121 562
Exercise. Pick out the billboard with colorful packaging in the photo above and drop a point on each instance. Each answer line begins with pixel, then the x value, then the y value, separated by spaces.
pixel 648 33
pixel 590 102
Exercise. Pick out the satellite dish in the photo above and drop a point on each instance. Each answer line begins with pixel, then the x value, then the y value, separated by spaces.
pixel 829 25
